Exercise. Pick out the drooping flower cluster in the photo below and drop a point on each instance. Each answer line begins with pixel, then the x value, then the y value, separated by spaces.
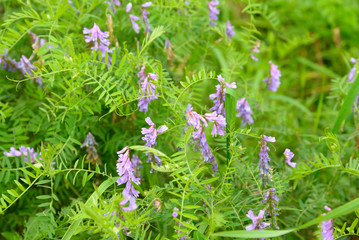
pixel 27 152
pixel 255 49
pixel 99 39
pixel 90 144
pixel 112 4
pixel 327 227
pixel 199 123
pixel 271 208
pixel 219 97
pixel 264 169
pixel 288 156
pixel 147 90
pixel 257 221
pixel 145 14
pixel 150 136
pixel 229 30
pixel 244 111
pixel 273 81
pixel 213 12
pixel 352 72
pixel 126 172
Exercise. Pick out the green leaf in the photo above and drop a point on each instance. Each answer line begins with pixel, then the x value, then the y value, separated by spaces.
pixel 253 234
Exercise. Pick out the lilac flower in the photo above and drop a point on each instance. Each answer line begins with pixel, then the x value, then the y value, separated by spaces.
pixel 255 49
pixel 126 173
pixel 213 12
pixel 112 4
pixel 264 168
pixel 273 81
pixel 175 214
pixel 135 26
pixel 128 7
pixel 271 208
pixel 147 89
pixel 257 222
pixel 288 156
pixel 90 144
pixel 219 123
pixel 220 96
pixel 327 227
pixel 25 66
pixel 24 151
pixel 194 118
pixel 352 72
pixel 99 39
pixel 145 14
pixel 8 63
pixel 244 111
pixel 229 30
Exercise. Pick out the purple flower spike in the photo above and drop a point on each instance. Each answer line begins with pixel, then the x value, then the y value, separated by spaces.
pixel 99 39
pixel 27 152
pixel 255 49
pixel 264 169
pixel 220 96
pixel 147 89
pixel 112 4
pixel 128 7
pixel 126 173
pixel 135 25
pixel 327 227
pixel 352 72
pixel 213 12
pixel 229 30
pixel 257 223
pixel 145 13
pixel 273 81
pixel 271 208
pixel 219 123
pixel 175 214
pixel 244 111
pixel 288 156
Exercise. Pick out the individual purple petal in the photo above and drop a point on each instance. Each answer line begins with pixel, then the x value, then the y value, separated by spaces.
pixel 352 72
pixel 147 4
pixel 128 7
pixel 288 157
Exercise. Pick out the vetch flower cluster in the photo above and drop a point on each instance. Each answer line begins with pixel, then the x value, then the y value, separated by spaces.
pixel 264 169
pixel 213 12
pixel 257 221
pixel 229 30
pixel 352 72
pixel 27 152
pixel 271 208
pixel 244 111
pixel 126 172
pixel 273 81
pixel 99 39
pixel 219 97
pixel 150 136
pixel 288 157
pixel 147 90
pixel 90 144
pixel 327 227
pixel 145 14
pixel 255 49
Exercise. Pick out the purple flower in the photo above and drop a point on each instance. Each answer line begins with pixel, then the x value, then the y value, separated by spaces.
pixel 112 4
pixel 145 14
pixel 36 41
pixel 194 118
pixel 288 156
pixel 255 49
pixel 352 72
pixel 128 7
pixel 244 111
pixel 264 168
pixel 24 151
pixel 175 213
pixel 126 173
pixel 257 223
pixel 213 12
pixel 99 39
pixel 273 81
pixel 219 123
pixel 25 66
pixel 135 26
pixel 220 96
pixel 327 227
pixel 136 164
pixel 229 30
pixel 147 89
pixel 271 208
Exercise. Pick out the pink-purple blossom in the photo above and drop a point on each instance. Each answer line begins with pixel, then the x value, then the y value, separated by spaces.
pixel 264 169
pixel 352 72
pixel 126 175
pixel 219 97
pixel 128 7
pixel 135 25
pixel 273 81
pixel 244 111
pixel 327 227
pixel 27 152
pixel 255 49
pixel 257 221
pixel 145 14
pixel 112 4
pixel 213 12
pixel 98 38
pixel 147 90
pixel 229 30
pixel 219 123
pixel 175 213
pixel 288 157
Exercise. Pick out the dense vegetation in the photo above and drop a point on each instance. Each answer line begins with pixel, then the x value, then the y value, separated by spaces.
pixel 179 119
